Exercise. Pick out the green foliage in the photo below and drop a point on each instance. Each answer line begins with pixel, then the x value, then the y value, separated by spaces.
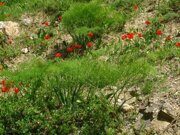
pixel 6 50
pixel 82 18
pixel 169 10
pixel 66 96
pixel 48 90
pixel 49 7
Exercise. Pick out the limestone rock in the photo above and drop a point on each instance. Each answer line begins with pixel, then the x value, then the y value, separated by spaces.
pixel 158 125
pixel 103 58
pixel 10 28
pixel 25 50
pixel 27 20
pixel 125 107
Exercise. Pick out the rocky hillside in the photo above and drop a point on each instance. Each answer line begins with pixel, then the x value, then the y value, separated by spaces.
pixel 90 67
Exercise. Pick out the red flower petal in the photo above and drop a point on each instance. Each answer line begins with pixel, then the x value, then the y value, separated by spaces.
pixel 123 37
pixel 89 44
pixel 58 55
pixel 159 32
pixel 3 82
pixel 78 46
pixel 16 90
pixel 46 23
pixel 60 18
pixel 70 49
pixel 130 35
pixel 140 35
pixel 47 37
pixel 4 89
pixel 90 34
pixel 178 44
pixel 147 22
pixel 135 7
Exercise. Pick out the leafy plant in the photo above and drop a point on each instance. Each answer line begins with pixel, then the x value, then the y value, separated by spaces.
pixel 83 18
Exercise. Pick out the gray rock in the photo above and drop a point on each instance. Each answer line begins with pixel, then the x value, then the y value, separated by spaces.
pixel 10 28
pixel 27 20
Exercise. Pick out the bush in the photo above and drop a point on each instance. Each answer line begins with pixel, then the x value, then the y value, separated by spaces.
pixel 169 10
pixel 7 50
pixel 83 18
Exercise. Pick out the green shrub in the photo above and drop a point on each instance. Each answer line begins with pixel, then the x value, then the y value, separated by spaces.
pixel 64 97
pixel 169 10
pixel 83 18
pixel 7 50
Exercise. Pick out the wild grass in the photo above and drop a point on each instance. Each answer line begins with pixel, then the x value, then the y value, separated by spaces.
pixel 65 95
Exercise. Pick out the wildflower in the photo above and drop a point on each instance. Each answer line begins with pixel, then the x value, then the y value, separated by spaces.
pixel 70 49
pixel 2 3
pixel 4 89
pixel 135 7
pixel 58 55
pixel 46 23
pixel 16 90
pixel 123 37
pixel 60 18
pixel 178 44
pixel 89 44
pixel 140 35
pixel 90 34
pixel 159 32
pixel 130 35
pixel 47 37
pixel 168 38
pixel 3 82
pixel 78 46
pixel 147 22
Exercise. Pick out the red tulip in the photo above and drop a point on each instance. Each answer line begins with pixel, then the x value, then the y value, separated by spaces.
pixel 147 22
pixel 46 23
pixel 89 44
pixel 130 35
pixel 140 35
pixel 3 82
pixel 123 37
pixel 58 55
pixel 78 46
pixel 159 32
pixel 90 34
pixel 135 7
pixel 178 44
pixel 47 37
pixel 60 18
pixel 4 89
pixel 16 90
pixel 70 49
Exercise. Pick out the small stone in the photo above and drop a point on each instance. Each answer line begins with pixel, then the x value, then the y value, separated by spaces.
pixel 67 38
pixel 25 50
pixel 113 88
pixel 26 19
pixel 127 107
pixel 10 28
pixel 103 58
pixel 33 36
pixel 158 125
